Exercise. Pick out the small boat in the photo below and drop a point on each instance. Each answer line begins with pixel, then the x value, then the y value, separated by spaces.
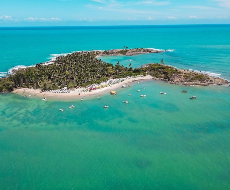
pixel 82 99
pixel 129 94
pixel 126 102
pixel 163 93
pixel 71 107
pixel 29 95
pixel 193 98
pixel 113 93
pixel 184 91
pixel 124 86
pixel 138 90
pixel 44 99
pixel 106 106
pixel 142 95
pixel 61 110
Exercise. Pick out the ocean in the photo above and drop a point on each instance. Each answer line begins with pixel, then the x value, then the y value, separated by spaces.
pixel 157 142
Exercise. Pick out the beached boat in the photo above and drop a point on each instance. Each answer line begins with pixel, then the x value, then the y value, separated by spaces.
pixel 106 106
pixel 163 93
pixel 193 98
pixel 124 86
pixel 82 99
pixel 113 93
pixel 44 99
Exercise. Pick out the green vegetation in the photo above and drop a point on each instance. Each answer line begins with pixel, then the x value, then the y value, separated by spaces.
pixel 76 69
pixel 162 71
pixel 172 74
pixel 83 68
pixel 123 52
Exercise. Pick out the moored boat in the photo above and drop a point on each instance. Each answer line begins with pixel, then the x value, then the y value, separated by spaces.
pixel 106 106
pixel 113 93
pixel 71 107
pixel 193 98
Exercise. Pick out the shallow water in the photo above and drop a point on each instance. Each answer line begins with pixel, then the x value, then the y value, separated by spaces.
pixel 157 142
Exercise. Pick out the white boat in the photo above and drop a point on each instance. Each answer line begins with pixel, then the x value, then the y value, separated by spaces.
pixel 124 86
pixel 82 99
pixel 71 107
pixel 163 93
pixel 61 110
pixel 126 102
pixel 193 98
pixel 44 99
pixel 106 106
pixel 138 90
pixel 142 95
pixel 130 95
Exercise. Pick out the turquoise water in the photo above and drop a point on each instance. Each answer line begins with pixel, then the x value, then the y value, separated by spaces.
pixel 157 142
pixel 201 47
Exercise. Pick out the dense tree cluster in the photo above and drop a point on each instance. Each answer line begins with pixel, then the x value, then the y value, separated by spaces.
pixel 81 69
pixel 73 70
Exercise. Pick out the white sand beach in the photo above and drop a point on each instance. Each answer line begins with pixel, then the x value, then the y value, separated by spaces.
pixel 78 93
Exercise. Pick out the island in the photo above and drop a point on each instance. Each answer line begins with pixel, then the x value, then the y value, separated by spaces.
pixel 85 72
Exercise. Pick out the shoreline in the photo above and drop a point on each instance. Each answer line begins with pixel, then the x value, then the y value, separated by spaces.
pixel 74 95
pixel 69 80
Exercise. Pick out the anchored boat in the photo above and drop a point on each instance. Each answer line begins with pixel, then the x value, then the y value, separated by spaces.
pixel 113 93
pixel 71 107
